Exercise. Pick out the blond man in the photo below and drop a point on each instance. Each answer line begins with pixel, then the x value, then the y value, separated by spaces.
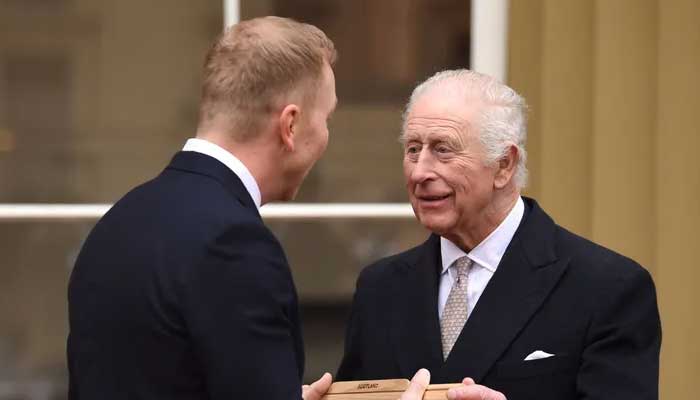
pixel 181 291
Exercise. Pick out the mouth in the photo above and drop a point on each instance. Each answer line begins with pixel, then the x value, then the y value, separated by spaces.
pixel 432 200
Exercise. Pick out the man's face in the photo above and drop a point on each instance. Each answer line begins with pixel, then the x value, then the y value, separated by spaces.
pixel 449 183
pixel 312 134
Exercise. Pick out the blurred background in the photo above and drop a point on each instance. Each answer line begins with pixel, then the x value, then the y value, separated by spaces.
pixel 96 96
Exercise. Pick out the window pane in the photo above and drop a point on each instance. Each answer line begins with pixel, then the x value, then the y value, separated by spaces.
pixel 95 97
pixel 36 263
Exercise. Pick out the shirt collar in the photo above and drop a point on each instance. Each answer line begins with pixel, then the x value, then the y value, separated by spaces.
pixel 489 252
pixel 232 162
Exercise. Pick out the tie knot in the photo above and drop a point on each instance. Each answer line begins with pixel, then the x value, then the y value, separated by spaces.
pixel 462 266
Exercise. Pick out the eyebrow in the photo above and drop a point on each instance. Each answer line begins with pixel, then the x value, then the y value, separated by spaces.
pixel 456 142
pixel 407 137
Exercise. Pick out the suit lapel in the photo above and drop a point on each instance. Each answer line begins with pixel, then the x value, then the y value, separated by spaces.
pixel 415 325
pixel 527 273
pixel 198 163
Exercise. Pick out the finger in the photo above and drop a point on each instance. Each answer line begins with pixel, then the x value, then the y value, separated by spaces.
pixel 317 389
pixel 474 392
pixel 464 393
pixel 416 388
pixel 468 381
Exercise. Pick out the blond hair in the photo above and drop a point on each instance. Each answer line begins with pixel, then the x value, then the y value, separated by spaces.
pixel 255 65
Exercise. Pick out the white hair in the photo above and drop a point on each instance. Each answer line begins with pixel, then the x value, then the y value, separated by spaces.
pixel 503 118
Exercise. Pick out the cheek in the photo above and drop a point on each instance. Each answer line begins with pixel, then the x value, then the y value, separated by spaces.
pixel 325 138
pixel 322 134
pixel 461 174
pixel 407 170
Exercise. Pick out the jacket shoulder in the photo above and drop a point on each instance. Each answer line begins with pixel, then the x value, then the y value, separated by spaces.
pixel 594 260
pixel 383 269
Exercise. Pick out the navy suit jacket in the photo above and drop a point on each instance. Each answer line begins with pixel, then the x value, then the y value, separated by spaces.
pixel 181 292
pixel 553 291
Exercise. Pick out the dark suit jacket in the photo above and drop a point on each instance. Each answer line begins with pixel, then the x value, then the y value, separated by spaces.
pixel 553 291
pixel 181 292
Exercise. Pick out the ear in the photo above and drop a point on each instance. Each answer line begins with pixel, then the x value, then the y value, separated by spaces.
pixel 506 167
pixel 288 123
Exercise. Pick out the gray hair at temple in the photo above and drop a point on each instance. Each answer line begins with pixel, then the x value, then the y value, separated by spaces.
pixel 503 120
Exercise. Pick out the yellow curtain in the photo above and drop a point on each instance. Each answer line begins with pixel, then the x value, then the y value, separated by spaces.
pixel 614 91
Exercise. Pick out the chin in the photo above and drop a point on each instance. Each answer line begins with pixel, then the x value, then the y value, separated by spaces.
pixel 436 225
pixel 289 196
pixel 290 193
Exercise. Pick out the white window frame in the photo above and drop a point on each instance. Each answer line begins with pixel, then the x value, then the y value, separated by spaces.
pixel 489 24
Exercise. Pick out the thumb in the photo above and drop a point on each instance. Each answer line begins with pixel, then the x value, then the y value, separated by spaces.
pixel 418 384
pixel 317 389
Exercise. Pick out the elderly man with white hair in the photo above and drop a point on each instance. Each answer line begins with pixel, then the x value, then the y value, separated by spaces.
pixel 499 296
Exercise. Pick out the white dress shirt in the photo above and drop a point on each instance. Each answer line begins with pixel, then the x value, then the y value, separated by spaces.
pixel 485 256
pixel 229 160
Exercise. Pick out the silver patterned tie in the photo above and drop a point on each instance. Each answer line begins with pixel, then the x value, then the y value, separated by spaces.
pixel 455 313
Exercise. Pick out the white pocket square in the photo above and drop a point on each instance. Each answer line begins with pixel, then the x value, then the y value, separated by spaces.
pixel 538 355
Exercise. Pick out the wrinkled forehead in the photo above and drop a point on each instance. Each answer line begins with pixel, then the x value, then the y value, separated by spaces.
pixel 441 114
pixel 425 128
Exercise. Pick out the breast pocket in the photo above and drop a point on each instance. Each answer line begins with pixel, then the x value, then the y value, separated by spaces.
pixel 546 378
pixel 560 364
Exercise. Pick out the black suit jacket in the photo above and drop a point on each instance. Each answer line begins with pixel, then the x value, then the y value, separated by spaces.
pixel 553 291
pixel 181 292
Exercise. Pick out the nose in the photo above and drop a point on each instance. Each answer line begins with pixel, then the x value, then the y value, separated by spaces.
pixel 422 167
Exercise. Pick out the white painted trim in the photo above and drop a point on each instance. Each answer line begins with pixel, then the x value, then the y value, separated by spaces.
pixel 295 211
pixel 489 37
pixel 232 12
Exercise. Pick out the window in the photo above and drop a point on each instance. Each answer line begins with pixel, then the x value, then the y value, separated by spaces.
pixel 95 97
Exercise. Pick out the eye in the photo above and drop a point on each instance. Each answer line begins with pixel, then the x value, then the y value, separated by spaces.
pixel 412 149
pixel 442 149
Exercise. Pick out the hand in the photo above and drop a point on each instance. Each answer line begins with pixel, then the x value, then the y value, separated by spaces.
pixel 419 383
pixel 317 389
pixel 472 391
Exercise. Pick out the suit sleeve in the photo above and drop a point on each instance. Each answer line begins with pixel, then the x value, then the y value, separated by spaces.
pixel 621 357
pixel 238 306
